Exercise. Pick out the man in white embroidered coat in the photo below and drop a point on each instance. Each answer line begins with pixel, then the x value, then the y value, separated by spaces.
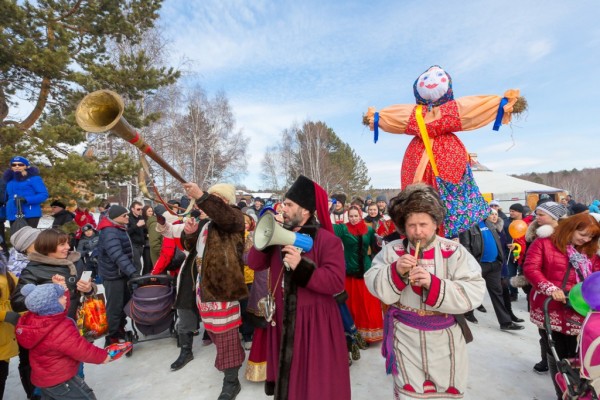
pixel 424 346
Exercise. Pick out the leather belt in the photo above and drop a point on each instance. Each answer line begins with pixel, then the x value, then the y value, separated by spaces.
pixel 420 312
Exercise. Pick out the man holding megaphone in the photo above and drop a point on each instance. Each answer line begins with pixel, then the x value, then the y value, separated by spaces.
pixel 307 356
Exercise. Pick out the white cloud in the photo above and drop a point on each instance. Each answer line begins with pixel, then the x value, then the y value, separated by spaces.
pixel 283 62
pixel 538 49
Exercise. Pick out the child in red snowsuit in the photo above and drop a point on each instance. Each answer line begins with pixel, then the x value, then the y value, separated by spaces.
pixel 55 346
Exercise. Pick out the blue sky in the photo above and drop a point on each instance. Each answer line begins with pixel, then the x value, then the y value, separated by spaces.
pixel 281 62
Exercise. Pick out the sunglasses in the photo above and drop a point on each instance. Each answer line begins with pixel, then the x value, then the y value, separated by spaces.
pixel 17 165
pixel 125 215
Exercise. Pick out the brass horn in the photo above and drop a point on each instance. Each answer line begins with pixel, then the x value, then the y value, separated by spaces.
pixel 102 111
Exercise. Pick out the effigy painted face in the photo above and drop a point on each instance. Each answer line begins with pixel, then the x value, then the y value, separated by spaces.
pixel 433 84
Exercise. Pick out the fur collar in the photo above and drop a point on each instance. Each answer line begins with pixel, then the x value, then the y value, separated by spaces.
pixel 499 225
pixel 310 227
pixel 9 174
pixel 70 261
pixel 535 230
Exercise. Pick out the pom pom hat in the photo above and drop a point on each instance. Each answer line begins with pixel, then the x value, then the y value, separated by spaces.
pixel 43 299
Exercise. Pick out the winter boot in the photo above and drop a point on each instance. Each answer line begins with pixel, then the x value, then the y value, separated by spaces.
pixel 231 384
pixel 186 355
pixel 362 343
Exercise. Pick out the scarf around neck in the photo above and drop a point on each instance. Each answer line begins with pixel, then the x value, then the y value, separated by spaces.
pixel 580 262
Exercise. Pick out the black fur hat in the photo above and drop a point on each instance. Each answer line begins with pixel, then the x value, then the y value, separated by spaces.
pixel 416 198
pixel 302 193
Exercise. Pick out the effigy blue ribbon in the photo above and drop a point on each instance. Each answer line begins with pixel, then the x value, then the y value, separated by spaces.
pixel 376 127
pixel 500 114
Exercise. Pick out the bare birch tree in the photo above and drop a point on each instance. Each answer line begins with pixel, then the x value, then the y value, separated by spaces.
pixel 314 150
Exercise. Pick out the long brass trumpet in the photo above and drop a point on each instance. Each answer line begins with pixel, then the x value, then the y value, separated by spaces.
pixel 102 111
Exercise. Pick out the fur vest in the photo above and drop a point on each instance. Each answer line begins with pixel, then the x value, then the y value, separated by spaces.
pixel 222 272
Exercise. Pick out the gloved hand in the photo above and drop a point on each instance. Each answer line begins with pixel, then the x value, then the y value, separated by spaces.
pixel 12 317
pixel 20 199
pixel 160 219
pixel 134 275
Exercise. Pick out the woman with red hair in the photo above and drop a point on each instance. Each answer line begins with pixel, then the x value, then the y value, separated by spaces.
pixel 358 240
pixel 553 266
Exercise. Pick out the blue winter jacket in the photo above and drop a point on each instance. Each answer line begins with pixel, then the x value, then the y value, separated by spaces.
pixel 115 252
pixel 31 187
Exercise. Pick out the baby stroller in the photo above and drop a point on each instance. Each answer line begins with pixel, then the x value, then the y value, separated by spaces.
pixel 151 306
pixel 568 377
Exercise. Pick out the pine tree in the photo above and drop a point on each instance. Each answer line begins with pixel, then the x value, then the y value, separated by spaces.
pixel 55 52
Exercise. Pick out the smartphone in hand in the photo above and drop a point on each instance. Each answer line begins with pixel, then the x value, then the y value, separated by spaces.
pixel 86 276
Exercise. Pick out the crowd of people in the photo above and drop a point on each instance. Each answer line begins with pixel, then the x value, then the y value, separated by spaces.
pixel 378 272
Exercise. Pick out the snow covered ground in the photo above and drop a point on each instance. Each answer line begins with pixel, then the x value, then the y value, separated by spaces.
pixel 500 368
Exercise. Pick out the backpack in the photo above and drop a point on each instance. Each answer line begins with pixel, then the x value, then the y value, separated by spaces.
pixel 589 350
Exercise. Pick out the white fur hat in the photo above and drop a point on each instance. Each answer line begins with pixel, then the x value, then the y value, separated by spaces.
pixel 224 190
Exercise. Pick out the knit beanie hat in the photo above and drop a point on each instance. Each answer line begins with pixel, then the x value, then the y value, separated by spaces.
pixel 23 238
pixel 340 197
pixel 20 159
pixel 43 299
pixel 159 209
pixel 87 227
pixel 555 210
pixel 224 190
pixel 58 203
pixel 115 211
pixel 578 208
pixel 381 197
pixel 518 207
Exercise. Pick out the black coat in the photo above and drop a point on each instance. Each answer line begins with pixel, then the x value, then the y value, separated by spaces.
pixel 472 240
pixel 40 270
pixel 62 217
pixel 115 252
pixel 137 234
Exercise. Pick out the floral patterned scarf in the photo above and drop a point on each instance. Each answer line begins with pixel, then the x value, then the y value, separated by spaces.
pixel 580 262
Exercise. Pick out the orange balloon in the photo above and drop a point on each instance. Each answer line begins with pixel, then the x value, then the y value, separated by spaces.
pixel 517 229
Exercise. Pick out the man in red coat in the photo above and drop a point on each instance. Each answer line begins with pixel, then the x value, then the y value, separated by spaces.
pixel 307 356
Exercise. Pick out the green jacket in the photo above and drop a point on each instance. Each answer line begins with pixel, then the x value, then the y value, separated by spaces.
pixel 154 238
pixel 352 252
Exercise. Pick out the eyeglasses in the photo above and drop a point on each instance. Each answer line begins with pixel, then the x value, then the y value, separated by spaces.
pixel 17 165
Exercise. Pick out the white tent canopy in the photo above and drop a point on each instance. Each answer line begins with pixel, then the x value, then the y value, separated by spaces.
pixel 508 189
